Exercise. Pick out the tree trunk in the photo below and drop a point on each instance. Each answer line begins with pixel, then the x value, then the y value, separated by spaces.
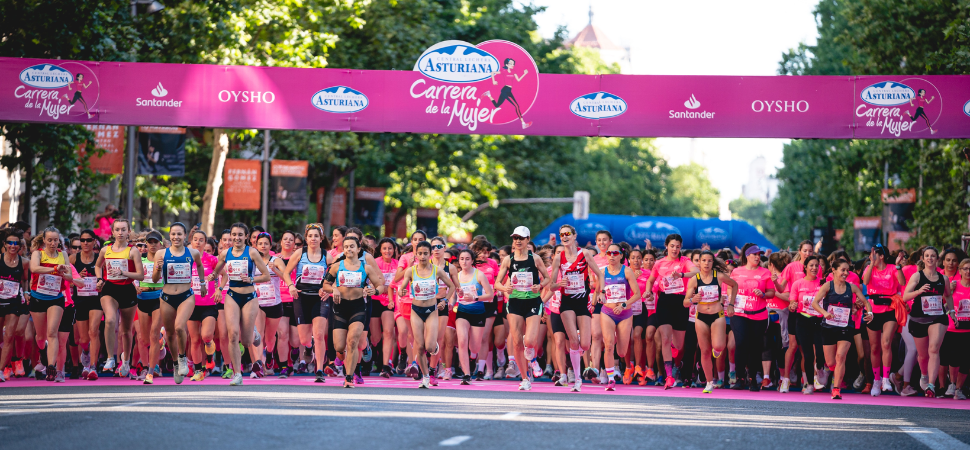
pixel 220 149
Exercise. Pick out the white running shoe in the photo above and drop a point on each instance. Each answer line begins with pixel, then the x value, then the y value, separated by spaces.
pixel 446 374
pixel 237 379
pixel 603 379
pixel 537 371
pixel 125 369
pixel 525 385
pixel 489 375
pixel 876 390
pixel 183 366
pixel 177 375
pixel 950 390
pixel 924 382
pixel 783 388
pixel 109 365
pixel 818 385
pixel 570 376
pixel 710 388
pixel 907 391
pixel 577 385
pixel 513 370
pixel 425 383
pixel 822 378
pixel 859 381
pixel 85 359
pixel 959 395
pixel 257 339
pixel 498 375
pixel 808 389
pixel 887 386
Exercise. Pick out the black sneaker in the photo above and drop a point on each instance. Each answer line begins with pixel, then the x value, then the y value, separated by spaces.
pixel 479 376
pixel 754 386
pixel 51 373
pixel 466 380
pixel 349 381
pixel 302 367
pixel 386 371
pixel 320 377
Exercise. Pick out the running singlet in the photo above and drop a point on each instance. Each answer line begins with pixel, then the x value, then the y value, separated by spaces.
pixel 882 283
pixel 351 278
pixel 118 260
pixel 616 287
pixel 523 275
pixel 424 289
pixel 652 303
pixel 840 305
pixel 178 269
pixel 576 276
pixel 10 282
pixel 285 291
pixel 311 273
pixel 237 266
pixel 268 292
pixel 406 261
pixel 149 268
pixel 208 263
pixel 710 292
pixel 804 292
pixel 554 302
pixel 388 269
pixel 662 270
pixel 468 294
pixel 90 288
pixel 747 304
pixel 961 305
pixel 48 286
pixel 930 303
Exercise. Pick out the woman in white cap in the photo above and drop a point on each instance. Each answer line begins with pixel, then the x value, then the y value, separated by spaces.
pixel 526 277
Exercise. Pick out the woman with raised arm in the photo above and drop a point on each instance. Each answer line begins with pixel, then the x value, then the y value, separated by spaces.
pixel 48 273
pixel 620 292
pixel 118 266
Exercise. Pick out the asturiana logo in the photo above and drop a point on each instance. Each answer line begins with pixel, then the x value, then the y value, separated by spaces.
pixel 457 62
pixel 966 107
pixel 339 99
pixel 887 93
pixel 46 76
pixel 713 236
pixel 656 231
pixel 598 105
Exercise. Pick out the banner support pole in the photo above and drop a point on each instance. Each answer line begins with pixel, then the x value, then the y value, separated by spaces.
pixel 265 219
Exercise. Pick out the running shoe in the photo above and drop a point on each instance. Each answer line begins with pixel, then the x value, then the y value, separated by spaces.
pixel 386 371
pixel 59 378
pixel 950 390
pixel 302 367
pixel 680 383
pixel 257 339
pixel 466 380
pixel 414 371
pixel 499 374
pixel 237 379
pixel 330 370
pixel 18 368
pixel 446 374
pixel 822 378
pixel 367 354
pixel 766 383
pixel 628 375
pixel 142 374
pixel 525 384
pixel 149 379
pixel 8 372
pixel 555 376
pixel 859 381
pixel 719 384
pixel 836 394
pixel 51 373
pixel 320 377
pixel 887 385
pixel 808 389
pixel 425 383
pixel 349 381
pixel 433 374
pixel 513 370
pixel 85 359
pixel 210 348
pixel 92 375
pixel 638 372
pixel 183 366
pixel 561 382
pixel 669 383
pixel 177 375
pixel 536 370
pixel 125 369
pixel 818 385
pixel 650 374
pixel 285 372
pixel 600 377
pixel 198 376
pixel 357 379
pixel 3 377
pixel 548 373
pixel 908 391
pixel 867 387
pixel 227 374
pixel 589 373
pixel 930 391
pixel 643 381
pixel 577 385
pixel 401 363
pixel 733 377
pixel 754 386
pixel 959 395
pixel 611 386
pixel 258 369
pixel 709 388
pixel 897 381
pixel 109 365
pixel 479 376
pixel 876 390
pixel 924 382
pixel 785 384
pixel 570 376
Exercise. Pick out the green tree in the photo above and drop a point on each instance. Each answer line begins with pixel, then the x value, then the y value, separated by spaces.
pixel 751 211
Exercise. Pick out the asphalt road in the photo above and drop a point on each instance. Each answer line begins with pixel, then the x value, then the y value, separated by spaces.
pixel 327 416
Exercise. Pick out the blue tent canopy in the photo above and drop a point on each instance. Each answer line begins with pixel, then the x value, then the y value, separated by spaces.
pixel 634 229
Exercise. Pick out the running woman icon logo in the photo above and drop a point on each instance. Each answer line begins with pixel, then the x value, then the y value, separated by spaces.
pixel 64 89
pixel 910 105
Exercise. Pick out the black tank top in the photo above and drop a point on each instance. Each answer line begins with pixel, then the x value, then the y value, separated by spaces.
pixel 843 300
pixel 937 288
pixel 80 266
pixel 526 266
pixel 12 274
pixel 714 283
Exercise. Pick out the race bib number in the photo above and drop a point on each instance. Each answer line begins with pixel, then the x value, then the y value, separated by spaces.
pixel 236 269
pixel 90 288
pixel 692 313
pixel 673 285
pixel 10 289
pixel 118 264
pixel 349 279
pixel 49 284
pixel 555 302
pixel 312 274
pixel 807 306
pixel 652 302
pixel 963 309
pixel 840 316
pixel 179 273
pixel 424 290
pixel 467 294
pixel 575 284
pixel 708 294
pixel 388 277
pixel 196 283
pixel 149 268
pixel 932 305
pixel 266 292
pixel 615 293
pixel 637 308
pixel 522 281
pixel 741 302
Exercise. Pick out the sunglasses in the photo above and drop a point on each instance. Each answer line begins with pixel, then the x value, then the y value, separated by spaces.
pixel 76 247
pixel 86 240
pixel 13 243
pixel 437 247
pixel 614 253
pixel 518 238
pixel 565 233
pixel 140 244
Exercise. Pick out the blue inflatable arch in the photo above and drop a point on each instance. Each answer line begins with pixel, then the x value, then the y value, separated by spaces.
pixel 634 229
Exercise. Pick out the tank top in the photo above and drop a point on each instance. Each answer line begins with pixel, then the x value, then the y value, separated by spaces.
pixel 149 267
pixel 642 279
pixel 576 276
pixel 178 269
pixel 710 292
pixel 840 305
pixel 424 289
pixel 237 266
pixel 468 293
pixel 961 305
pixel 523 274
pixel 268 292
pixel 10 281
pixel 90 288
pixel 389 269
pixel 208 264
pixel 48 286
pixel 351 278
pixel 617 287
pixel 311 273
pixel 929 304
pixel 118 260
pixel 284 291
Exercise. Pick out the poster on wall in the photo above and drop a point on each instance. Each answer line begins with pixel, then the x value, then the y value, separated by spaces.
pixel 288 185
pixel 427 220
pixel 161 151
pixel 867 232
pixel 110 138
pixel 369 206
pixel 243 183
pixel 338 209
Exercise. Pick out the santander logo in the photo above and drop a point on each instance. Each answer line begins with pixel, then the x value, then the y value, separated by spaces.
pixel 456 62
pixel 598 105
pixel 339 99
pixel 692 102
pixel 159 90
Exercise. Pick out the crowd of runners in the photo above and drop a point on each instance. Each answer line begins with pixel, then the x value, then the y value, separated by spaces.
pixel 346 305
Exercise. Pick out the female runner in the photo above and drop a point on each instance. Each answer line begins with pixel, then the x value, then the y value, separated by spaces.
pixel 402 312
pixel 671 271
pixel 446 338
pixel 270 305
pixel 382 311
pixel 118 266
pixel 953 352
pixel 620 293
pixel 350 282
pixel 13 283
pixel 474 291
pixel 422 279
pixel 882 281
pixel 312 311
pixel 240 260
pixel 704 292
pixel 202 322
pixel 289 337
pixel 808 321
pixel 835 301
pixel 555 332
pixel 49 270
pixel 88 307
pixel 927 321
pixel 149 312
pixel 526 277
pixel 750 319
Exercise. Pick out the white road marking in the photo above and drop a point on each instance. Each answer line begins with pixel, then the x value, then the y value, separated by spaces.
pixel 452 441
pixel 130 404
pixel 510 415
pixel 934 438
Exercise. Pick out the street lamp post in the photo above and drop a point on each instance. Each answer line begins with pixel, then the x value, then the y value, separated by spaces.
pixel 132 169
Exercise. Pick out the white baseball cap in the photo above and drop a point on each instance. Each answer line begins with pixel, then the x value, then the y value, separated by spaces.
pixel 521 231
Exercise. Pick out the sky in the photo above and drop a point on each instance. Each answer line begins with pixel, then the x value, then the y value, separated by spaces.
pixel 699 37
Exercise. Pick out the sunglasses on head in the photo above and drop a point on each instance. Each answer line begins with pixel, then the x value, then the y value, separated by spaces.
pixel 565 233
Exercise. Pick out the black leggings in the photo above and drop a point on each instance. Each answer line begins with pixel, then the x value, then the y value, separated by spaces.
pixel 749 340
pixel 809 335
pixel 506 94
pixel 772 346
pixel 689 353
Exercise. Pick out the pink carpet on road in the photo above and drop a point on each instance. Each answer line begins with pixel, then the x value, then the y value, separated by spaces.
pixel 512 386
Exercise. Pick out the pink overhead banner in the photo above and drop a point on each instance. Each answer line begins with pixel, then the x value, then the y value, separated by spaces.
pixel 490 88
